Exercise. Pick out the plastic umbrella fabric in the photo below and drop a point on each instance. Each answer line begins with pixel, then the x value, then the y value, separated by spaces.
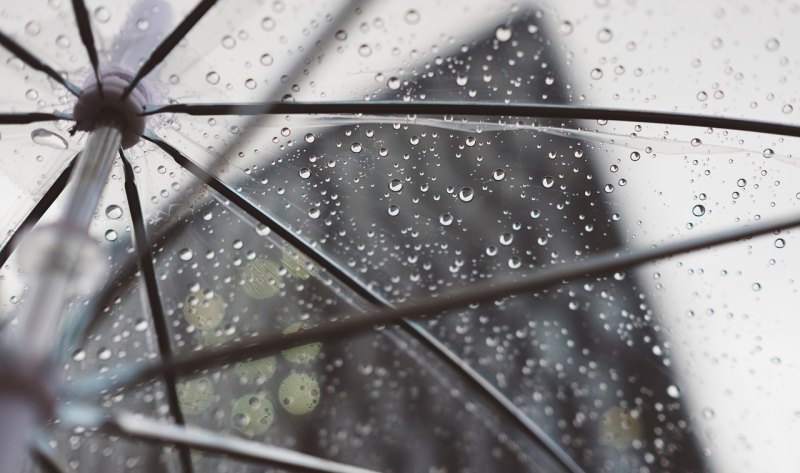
pixel 336 236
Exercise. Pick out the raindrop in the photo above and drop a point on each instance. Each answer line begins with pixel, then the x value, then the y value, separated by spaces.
pixel 502 33
pixel 111 235
pixel 506 239
pixel 31 94
pixel 696 142
pixel 364 50
pixel 412 17
pixel 756 287
pixel 768 153
pixel 548 181
pixel 466 194
pixel 43 137
pixel 395 185
pixel 267 60
pixel 698 210
pixel 604 35
pixel 462 79
pixel 596 73
pixel 772 44
pixel 394 210
pixel 314 212
pixel 780 243
pixel 787 109
pixel 514 262
pixel 499 174
pixel 114 212
pixel 250 84
pixel 673 391
pixel 741 182
pixel 185 254
pixel 212 78
pixel 309 138
pixel 143 24
pixel 446 219
pixel 102 14
pixel 305 173
pixel 33 28
pixel 635 156
pixel 702 96
pixel 355 147
pixel 228 41
pixel 104 353
pixel 62 41
pixel 565 28
pixel 393 83
pixel 268 24
pixel 141 325
pixel 79 355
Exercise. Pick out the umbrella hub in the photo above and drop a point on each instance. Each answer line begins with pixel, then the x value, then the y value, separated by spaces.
pixel 98 104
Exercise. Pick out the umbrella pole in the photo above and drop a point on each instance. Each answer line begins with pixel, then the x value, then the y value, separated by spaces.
pixel 61 261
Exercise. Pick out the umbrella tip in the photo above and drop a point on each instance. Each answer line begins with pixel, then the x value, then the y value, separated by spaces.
pixel 98 102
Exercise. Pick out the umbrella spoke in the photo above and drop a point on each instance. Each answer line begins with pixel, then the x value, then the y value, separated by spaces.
pixel 595 266
pixel 161 433
pixel 156 310
pixel 565 112
pixel 166 46
pixel 28 58
pixel 37 212
pixel 420 333
pixel 85 29
pixel 33 117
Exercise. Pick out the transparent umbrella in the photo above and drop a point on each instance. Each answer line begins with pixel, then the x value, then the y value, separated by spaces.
pixel 374 236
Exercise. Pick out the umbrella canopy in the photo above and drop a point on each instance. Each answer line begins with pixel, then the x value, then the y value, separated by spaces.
pixel 373 236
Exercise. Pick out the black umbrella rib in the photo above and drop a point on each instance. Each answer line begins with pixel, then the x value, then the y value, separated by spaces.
pixel 472 377
pixel 156 310
pixel 16 49
pixel 33 117
pixel 600 265
pixel 37 212
pixel 166 46
pixel 565 112
pixel 85 29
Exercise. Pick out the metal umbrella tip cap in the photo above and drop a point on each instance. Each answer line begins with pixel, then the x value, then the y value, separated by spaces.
pixel 98 104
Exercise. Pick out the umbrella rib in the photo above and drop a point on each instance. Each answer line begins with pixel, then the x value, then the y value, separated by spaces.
pixel 41 207
pixel 156 310
pixel 599 265
pixel 153 431
pixel 85 29
pixel 566 112
pixel 32 117
pixel 166 46
pixel 28 58
pixel 417 331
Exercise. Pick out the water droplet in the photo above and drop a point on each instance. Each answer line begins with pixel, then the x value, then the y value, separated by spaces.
pixel 514 262
pixel 708 413
pixel 702 96
pixel 114 212
pixel 565 28
pixel 548 181
pixel 412 17
pixel 228 42
pixel 141 325
pixel 780 243
pixel 212 78
pixel 446 219
pixel 33 28
pixel 62 41
pixel 364 50
pixel 502 33
pixel 309 138
pixel 506 239
pixel 756 287
pixel 698 210
pixel 741 182
pixel 267 60
pixel 305 173
pixel 250 84
pixel 185 254
pixel 393 83
pixel 604 35
pixel 787 109
pixel 143 24
pixel 268 24
pixel 355 147
pixel 466 194
pixel 104 353
pixel 768 153
pixel 635 156
pixel 462 79
pixel 596 73
pixel 772 44
pixel 673 391
pixel 43 137
pixel 314 212
pixel 499 174
pixel 394 210
pixel 102 14
pixel 395 185
pixel 696 142
pixel 111 235
pixel 79 355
